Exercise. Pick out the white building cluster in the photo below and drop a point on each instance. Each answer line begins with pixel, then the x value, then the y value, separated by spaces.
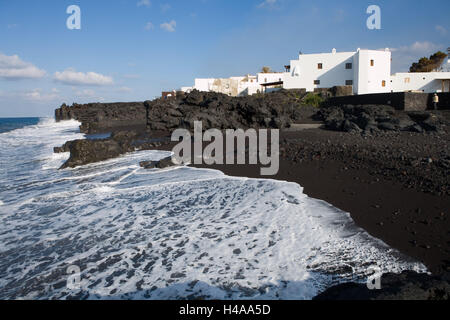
pixel 367 71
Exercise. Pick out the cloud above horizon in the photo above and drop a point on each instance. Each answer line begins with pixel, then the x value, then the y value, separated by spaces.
pixel 14 68
pixel 72 77
pixel 169 26
pixel 144 3
pixel 267 3
pixel 404 56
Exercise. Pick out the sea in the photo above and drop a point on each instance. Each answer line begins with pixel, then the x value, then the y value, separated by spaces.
pixel 112 230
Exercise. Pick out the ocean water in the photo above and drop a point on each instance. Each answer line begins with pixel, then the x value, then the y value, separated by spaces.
pixel 8 124
pixel 113 230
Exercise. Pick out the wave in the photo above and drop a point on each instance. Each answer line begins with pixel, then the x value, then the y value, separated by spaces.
pixel 166 234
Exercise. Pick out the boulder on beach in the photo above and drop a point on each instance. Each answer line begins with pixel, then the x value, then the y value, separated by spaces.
pixel 161 164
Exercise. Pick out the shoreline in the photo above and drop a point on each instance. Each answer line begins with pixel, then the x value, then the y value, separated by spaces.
pixel 409 220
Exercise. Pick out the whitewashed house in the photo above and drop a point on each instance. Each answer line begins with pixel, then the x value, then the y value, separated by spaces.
pixel 428 82
pixel 368 71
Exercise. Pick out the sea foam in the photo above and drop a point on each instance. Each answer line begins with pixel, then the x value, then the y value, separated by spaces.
pixel 166 234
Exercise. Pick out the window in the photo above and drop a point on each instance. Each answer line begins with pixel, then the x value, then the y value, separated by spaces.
pixel 372 63
pixel 348 82
pixel 383 83
pixel 320 66
pixel 407 80
pixel 348 66
pixel 265 79
pixel 316 82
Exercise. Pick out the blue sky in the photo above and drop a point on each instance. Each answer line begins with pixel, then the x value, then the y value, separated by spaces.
pixel 130 50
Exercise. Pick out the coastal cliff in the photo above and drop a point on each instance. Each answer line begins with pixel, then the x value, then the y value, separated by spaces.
pixel 102 117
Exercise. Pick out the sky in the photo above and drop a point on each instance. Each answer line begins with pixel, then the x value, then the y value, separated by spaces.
pixel 131 50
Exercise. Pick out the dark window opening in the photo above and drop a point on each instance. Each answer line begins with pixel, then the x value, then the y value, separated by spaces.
pixel 348 66
pixel 320 66
pixel 316 82
pixel 348 82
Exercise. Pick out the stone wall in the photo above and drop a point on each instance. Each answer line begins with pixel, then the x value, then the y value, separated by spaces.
pixel 408 101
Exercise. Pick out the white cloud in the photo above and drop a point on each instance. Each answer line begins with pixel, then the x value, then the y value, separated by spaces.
pixel 149 26
pixel 404 56
pixel 418 47
pixel 267 3
pixel 144 3
pixel 13 68
pixel 441 30
pixel 71 77
pixel 37 95
pixel 169 26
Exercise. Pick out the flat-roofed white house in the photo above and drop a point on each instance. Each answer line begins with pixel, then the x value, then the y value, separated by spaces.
pixel 368 71
pixel 428 82
pixel 235 86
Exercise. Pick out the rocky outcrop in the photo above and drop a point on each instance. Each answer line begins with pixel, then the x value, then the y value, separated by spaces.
pixel 373 118
pixel 103 117
pixel 408 285
pixel 83 152
pixel 273 110
pixel 161 164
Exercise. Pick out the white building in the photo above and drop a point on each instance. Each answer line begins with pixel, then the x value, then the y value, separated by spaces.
pixel 368 71
pixel 236 86
pixel 421 82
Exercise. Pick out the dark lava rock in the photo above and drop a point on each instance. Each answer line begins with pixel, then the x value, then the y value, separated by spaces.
pixel 98 117
pixel 408 285
pixel 83 152
pixel 273 110
pixel 164 163
pixel 373 118
pixel 89 151
pixel 64 148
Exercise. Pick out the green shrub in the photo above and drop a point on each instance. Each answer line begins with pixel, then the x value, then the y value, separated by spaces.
pixel 312 99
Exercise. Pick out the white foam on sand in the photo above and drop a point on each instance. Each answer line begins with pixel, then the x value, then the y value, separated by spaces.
pixel 168 234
